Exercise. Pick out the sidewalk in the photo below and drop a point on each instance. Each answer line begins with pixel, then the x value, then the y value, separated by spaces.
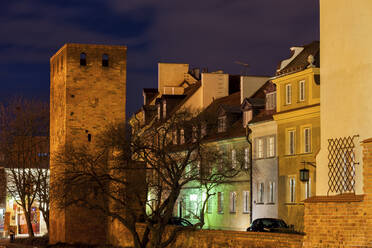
pixel 4 243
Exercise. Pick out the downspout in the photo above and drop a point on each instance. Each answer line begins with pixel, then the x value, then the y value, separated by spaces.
pixel 248 131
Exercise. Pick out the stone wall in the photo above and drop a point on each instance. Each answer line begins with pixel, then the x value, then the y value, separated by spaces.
pixel 218 238
pixel 343 220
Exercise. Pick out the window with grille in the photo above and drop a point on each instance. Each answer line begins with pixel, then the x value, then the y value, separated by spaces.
pixel 271 146
pixel 246 157
pixel 232 202
pixel 260 148
pixel 222 124
pixel 271 101
pixel 245 202
pixel 288 94
pixel 341 165
pixel 233 158
pixel 307 140
pixel 301 93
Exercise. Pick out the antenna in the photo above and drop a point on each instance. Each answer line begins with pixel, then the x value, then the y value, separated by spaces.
pixel 244 70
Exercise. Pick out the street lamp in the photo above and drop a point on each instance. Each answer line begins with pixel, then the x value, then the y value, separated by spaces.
pixel 304 173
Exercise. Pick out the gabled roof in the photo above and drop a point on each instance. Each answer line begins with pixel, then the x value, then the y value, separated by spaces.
pixel 299 61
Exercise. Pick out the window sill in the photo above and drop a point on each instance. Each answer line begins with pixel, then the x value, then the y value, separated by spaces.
pixel 294 203
pixel 260 203
pixel 233 212
pixel 246 212
pixel 270 203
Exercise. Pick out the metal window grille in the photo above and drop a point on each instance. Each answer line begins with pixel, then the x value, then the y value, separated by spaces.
pixel 341 165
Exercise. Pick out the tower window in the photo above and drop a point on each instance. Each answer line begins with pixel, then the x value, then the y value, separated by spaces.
pixel 89 137
pixel 105 60
pixel 83 59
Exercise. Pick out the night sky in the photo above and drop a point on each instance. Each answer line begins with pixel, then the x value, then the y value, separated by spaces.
pixel 203 33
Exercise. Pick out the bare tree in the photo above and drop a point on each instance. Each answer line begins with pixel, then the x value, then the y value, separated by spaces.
pixel 142 174
pixel 24 126
pixel 42 192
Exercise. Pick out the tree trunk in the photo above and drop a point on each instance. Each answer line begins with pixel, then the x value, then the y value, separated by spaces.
pixel 46 218
pixel 29 223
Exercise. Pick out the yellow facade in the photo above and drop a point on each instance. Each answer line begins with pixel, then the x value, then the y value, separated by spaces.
pixel 298 120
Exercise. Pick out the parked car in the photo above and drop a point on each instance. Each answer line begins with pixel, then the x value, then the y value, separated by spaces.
pixel 178 221
pixel 269 225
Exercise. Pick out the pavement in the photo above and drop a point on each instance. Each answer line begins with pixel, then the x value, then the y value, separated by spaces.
pixel 4 243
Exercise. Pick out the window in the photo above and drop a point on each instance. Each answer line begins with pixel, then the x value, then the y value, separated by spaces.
pixel 270 146
pixel 233 158
pixel 209 205
pixel 292 189
pixel 260 147
pixel 89 137
pixel 271 192
pixel 105 60
pixel 260 193
pixel 288 94
pixel 164 109
pixel 307 140
pixel 246 158
pixel 301 93
pixel 291 142
pixel 245 202
pixel 247 116
pixel 232 202
pixel 222 124
pixel 220 202
pixel 271 101
pixel 182 136
pixel 83 59
pixel 174 137
pixel 61 62
pixel 308 188
pixel 159 112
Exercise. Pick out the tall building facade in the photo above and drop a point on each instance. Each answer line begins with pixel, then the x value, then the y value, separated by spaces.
pixel 87 92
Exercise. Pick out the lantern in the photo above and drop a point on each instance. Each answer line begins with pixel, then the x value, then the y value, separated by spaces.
pixel 304 175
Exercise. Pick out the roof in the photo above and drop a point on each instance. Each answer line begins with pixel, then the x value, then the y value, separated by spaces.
pixel 300 61
pixel 189 91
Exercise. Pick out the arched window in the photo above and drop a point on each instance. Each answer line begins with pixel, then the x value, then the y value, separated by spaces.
pixel 105 60
pixel 83 59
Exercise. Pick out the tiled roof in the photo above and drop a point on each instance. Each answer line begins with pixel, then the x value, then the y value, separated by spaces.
pixel 300 62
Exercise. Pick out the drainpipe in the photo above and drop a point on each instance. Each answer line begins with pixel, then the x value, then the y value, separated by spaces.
pixel 248 131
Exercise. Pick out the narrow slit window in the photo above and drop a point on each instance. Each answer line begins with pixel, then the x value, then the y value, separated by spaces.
pixel 105 60
pixel 89 137
pixel 83 59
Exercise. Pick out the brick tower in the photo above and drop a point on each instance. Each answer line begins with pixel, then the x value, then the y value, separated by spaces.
pixel 87 92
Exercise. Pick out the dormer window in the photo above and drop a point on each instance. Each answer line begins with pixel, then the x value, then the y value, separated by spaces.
pixel 164 109
pixel 222 124
pixel 271 101
pixel 247 116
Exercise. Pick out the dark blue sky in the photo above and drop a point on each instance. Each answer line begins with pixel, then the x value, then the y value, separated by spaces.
pixel 207 33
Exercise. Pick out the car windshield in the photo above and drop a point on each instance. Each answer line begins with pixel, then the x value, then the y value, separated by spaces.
pixel 273 223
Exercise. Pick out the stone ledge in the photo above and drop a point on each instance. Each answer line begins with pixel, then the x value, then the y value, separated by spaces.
pixel 349 197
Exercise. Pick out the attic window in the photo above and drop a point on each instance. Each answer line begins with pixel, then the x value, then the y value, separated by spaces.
pixel 271 101
pixel 222 124
pixel 83 59
pixel 105 60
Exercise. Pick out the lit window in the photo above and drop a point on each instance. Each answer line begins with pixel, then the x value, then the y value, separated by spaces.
pixel 159 112
pixel 83 59
pixel 260 147
pixel 232 202
pixel 164 109
pixel 209 205
pixel 245 202
pixel 246 158
pixel 301 93
pixel 271 146
pixel 220 202
pixel 271 101
pixel 307 140
pixel 233 158
pixel 194 134
pixel 288 94
pixel 105 60
pixel 260 193
pixel 271 191
pixel 291 142
pixel 222 124
pixel 292 189
pixel 308 188
pixel 182 136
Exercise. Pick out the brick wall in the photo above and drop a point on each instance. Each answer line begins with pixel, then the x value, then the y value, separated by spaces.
pixel 343 220
pixel 217 239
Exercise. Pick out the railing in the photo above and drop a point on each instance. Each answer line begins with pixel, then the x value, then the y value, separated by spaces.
pixel 341 165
